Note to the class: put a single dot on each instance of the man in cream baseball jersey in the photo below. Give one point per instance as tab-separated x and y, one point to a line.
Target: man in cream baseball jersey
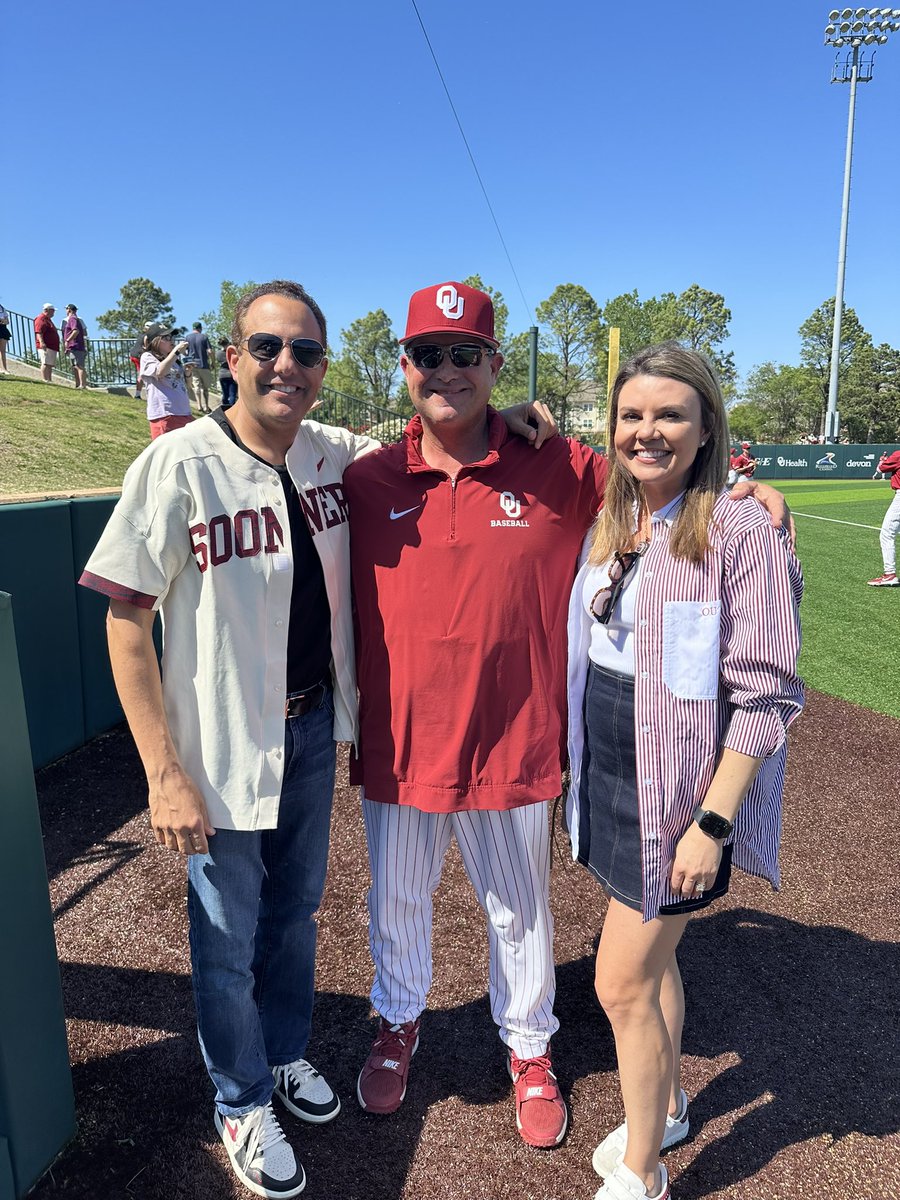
235	529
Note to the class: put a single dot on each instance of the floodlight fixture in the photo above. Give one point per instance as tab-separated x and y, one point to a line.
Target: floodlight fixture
856	28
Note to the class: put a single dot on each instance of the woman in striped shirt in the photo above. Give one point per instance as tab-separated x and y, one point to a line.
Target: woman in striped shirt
683	644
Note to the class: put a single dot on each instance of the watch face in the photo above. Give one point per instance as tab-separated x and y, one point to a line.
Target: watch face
714	825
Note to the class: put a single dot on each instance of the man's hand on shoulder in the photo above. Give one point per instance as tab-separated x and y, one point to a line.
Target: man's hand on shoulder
772	501
534	422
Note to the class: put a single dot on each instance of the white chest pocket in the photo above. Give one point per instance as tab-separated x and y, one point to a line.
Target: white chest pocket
691	648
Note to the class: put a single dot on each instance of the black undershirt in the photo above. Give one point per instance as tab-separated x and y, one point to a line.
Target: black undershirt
309	627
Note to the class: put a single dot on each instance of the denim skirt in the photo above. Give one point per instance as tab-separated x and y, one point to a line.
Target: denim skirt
609	834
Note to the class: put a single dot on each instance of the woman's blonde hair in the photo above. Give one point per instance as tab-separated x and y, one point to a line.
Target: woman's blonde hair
614	529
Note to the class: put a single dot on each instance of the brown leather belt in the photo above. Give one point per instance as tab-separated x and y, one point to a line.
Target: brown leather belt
304	702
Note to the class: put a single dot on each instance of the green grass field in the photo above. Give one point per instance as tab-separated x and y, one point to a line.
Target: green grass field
850	631
56	439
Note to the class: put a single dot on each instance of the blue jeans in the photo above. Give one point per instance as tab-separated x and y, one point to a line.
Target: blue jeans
229	391
252	903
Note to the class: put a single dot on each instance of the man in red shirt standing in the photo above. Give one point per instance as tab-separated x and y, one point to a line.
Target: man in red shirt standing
889	464
47	336
463	551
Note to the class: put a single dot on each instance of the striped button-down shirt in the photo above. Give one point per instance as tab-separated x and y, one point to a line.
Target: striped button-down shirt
716	647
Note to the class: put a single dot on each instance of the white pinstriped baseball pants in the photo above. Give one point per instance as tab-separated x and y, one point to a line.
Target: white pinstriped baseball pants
507	858
890	528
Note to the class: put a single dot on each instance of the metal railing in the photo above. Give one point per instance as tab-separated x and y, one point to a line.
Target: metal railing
109	363
108	359
359	416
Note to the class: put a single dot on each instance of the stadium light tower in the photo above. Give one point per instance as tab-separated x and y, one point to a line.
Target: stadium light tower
854	28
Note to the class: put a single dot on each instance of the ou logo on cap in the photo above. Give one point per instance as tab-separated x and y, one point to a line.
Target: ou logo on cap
449	301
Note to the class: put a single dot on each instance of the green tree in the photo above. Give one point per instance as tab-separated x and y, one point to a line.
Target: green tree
501	311
816	334
787	400
140	301
869	400
571	320
638	323
748	420
370	355
217	322
700	321
512	383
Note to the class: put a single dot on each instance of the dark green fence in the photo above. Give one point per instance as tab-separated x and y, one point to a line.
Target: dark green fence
66	677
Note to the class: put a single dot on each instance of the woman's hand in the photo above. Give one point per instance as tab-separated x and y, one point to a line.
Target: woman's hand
697	858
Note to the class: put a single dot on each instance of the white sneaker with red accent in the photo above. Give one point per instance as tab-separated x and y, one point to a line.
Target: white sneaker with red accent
261	1156
623	1184
888	579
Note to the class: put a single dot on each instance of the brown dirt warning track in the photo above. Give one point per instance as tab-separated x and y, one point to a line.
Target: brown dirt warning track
792	1040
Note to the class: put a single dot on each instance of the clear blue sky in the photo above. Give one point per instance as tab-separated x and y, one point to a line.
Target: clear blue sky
647	145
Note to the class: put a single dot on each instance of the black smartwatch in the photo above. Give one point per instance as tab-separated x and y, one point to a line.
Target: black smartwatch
712	824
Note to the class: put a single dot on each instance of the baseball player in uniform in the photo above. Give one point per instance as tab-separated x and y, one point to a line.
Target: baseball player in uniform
235	530
463	551
889	464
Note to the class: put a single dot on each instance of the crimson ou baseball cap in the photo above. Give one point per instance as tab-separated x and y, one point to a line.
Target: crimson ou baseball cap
450	308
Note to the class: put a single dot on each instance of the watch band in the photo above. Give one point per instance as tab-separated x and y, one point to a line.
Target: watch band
712	824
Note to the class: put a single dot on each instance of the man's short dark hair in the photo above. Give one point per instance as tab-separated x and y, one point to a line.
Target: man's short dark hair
277	287
197	325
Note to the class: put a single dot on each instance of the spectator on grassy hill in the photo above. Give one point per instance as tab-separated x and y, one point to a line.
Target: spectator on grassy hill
199	358
168	404
47	338
5	338
889	465
74	333
227	384
683	642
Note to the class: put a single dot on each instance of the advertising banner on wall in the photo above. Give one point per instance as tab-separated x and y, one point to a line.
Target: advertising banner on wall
818	462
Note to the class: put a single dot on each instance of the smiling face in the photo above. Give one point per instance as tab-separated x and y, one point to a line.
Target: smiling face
451	398
275	396
659	430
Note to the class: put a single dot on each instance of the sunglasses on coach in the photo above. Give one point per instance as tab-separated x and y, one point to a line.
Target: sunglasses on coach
607	598
264	347
463	354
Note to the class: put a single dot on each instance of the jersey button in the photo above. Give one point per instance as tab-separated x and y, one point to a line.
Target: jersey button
644	622
645	674
278	624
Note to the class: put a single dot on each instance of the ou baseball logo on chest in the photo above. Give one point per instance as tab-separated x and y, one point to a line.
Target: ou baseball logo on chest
510	505
449	301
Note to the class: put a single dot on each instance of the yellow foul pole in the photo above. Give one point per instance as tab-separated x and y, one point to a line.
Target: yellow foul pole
612	368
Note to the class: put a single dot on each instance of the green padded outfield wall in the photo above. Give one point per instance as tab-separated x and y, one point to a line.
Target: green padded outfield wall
37	1106
66	679
817	462
101	704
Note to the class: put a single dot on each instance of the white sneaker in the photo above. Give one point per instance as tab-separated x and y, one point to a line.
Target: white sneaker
302	1089
609	1153
260	1154
623	1184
